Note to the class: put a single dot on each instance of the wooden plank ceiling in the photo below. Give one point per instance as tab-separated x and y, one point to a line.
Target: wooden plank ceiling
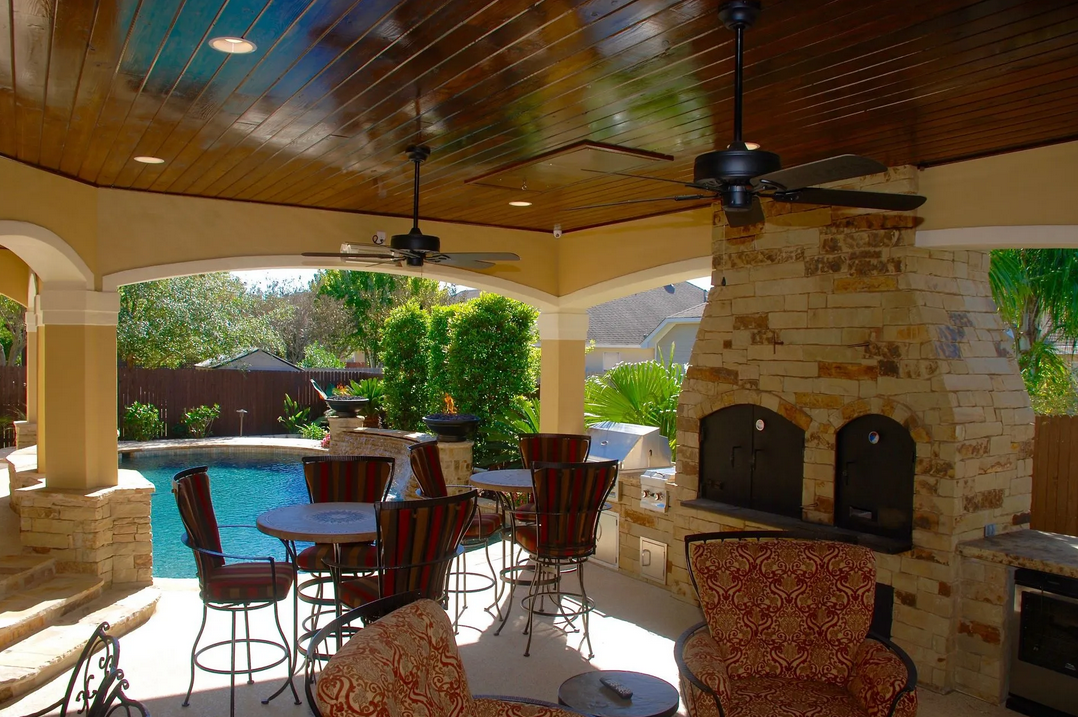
319	115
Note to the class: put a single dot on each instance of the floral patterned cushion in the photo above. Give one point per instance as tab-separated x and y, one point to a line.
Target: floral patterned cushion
511	708
780	697
786	608
405	664
878	677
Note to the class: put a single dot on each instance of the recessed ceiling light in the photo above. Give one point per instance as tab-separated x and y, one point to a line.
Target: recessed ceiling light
149	160
233	45
520	204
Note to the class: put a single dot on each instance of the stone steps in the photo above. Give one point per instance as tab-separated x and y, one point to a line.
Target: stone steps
19	572
42	603
53	650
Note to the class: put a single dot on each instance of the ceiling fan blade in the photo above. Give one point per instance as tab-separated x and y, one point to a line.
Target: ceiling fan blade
347	255
460	261
678	198
849	198
483	255
642	176
754	215
832	169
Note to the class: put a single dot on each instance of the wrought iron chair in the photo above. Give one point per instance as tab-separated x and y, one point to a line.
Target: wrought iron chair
90	693
231	587
568	499
334	479
801	658
485	528
417	542
403	661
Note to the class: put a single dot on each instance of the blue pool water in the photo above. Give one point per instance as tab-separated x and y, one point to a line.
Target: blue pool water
242	487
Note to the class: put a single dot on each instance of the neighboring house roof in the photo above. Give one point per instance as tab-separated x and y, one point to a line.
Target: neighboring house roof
464	295
221	362
691	315
629	321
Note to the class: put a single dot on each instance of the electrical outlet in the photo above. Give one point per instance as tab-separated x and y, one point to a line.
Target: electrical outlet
989	530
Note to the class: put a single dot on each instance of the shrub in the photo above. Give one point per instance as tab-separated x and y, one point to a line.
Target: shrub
142	422
198	420
645	393
313	432
404	361
490	361
438	338
503	438
295	416
374	390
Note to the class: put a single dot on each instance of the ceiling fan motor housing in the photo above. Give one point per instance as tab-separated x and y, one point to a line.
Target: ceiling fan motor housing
733	166
415	241
739	13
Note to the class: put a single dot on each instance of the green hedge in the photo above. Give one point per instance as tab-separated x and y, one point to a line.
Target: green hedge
438	338
404	361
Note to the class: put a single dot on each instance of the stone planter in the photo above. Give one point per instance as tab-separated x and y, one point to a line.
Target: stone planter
451	427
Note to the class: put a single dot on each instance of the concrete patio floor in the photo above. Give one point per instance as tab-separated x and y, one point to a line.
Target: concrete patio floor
634	628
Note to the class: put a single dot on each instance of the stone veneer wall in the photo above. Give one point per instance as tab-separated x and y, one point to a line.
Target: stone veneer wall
827	315
349	438
102	531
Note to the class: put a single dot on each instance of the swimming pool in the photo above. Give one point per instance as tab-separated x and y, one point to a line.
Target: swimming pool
242	485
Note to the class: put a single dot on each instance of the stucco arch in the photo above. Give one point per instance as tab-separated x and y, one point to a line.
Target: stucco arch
638	281
52	259
540	299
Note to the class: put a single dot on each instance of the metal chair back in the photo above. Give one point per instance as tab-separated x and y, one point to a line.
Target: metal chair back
191	488
417	541
353	479
568	500
553	448
427	468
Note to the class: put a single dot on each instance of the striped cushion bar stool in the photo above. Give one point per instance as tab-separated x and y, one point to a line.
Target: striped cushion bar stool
561	536
551	448
251	584
335	479
484	530
417	542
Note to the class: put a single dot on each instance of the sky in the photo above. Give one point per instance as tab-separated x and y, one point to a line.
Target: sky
302	277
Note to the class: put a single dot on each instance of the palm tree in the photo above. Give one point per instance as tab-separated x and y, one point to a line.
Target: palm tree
1036	291
645	393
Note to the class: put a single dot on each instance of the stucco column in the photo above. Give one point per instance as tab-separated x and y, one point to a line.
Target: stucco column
562	337
77	388
31	367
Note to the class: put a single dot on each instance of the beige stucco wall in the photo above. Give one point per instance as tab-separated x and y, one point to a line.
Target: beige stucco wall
593	362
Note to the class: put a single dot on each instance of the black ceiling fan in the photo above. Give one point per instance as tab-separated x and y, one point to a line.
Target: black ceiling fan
415	248
740	174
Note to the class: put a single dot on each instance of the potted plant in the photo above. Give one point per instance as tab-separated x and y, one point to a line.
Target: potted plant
373	389
451	427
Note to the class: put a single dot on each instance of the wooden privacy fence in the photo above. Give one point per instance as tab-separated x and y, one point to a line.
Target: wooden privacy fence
260	393
1055	475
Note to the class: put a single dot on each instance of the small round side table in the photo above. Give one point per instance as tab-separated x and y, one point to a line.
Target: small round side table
651	697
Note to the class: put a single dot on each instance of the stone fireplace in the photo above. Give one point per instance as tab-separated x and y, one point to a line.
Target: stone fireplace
890	364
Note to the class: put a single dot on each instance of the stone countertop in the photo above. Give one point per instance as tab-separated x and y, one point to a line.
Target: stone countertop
1033	549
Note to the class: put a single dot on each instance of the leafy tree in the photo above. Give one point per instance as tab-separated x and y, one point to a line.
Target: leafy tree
490	361
1036	291
178	322
404	355
302	316
438	338
318	356
369	297
645	393
12	332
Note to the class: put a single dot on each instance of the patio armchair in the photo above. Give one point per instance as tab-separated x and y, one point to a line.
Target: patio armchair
786	631
231	584
405	663
485	528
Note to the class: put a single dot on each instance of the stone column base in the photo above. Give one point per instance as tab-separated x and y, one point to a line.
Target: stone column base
25	434
100	531
456	460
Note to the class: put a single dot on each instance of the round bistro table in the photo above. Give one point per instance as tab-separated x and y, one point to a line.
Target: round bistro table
512	480
651	697
334	523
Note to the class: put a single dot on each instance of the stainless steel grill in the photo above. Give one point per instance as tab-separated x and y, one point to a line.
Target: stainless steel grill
636	448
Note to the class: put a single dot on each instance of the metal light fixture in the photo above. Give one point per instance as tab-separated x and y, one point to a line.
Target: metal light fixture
233	45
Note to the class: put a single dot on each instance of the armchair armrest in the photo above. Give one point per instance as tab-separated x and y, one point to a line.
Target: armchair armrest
703	673
499	706
884	679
